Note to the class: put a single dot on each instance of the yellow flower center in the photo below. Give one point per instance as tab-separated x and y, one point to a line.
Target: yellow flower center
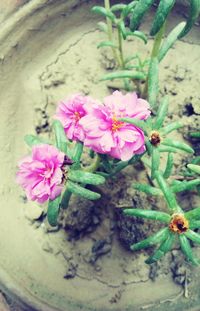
77	116
179	224
116	124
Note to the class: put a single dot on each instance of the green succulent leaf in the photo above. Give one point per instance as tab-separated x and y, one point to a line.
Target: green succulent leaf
124	74
77	151
153	82
148	189
61	140
138	34
80	191
156	238
65	199
185	185
169	195
32	140
141	8
137	212
107	44
129	7
193	15
103	27
186	249
176	144
162	12
194	168
169	166
193	214
103	12
195	134
85	177
170	40
193	236
118	7
155	161
139	123
165	247
162	148
194	224
162	112
171	127
53	211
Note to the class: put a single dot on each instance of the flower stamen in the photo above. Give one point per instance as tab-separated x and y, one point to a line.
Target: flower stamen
77	116
116	124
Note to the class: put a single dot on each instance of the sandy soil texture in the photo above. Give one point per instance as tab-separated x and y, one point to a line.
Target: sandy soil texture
48	56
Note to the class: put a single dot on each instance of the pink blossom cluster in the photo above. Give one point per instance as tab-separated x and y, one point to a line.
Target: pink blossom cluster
98	126
40	174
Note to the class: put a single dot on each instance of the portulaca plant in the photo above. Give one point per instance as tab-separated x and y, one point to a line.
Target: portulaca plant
119	130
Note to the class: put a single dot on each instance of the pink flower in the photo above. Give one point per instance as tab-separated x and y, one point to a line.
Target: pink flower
40	174
70	112
106	134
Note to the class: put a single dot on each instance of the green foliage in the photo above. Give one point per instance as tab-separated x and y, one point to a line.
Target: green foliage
164	8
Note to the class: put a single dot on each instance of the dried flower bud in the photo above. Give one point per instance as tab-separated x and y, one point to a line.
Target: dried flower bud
155	138
179	224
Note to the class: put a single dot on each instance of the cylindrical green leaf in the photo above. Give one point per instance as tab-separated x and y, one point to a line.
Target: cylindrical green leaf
176	144
156	238
194	236
77	151
124	74
65	199
118	7
194	168
140	9
185	185
169	166
53	211
194	224
165	247
106	44
102	11
128	8
186	249
171	127
153	82
170	40
162	12
169	195
163	148
193	214
138	34
32	140
162	112
139	123
195	134
155	161
193	16
61	140
156	215
85	177
78	190
148	189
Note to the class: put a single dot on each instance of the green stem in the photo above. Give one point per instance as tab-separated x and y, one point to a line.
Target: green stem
154	53
110	31
94	166
121	58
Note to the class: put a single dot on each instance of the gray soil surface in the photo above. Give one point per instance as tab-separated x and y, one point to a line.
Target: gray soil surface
86	265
